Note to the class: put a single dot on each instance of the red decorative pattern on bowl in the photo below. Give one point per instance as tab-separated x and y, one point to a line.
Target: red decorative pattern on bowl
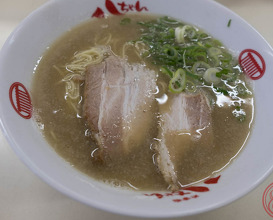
186	193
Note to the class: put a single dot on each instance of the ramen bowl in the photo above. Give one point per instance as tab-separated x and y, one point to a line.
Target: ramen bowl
28	42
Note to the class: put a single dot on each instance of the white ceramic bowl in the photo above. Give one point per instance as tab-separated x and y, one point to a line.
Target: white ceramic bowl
30	39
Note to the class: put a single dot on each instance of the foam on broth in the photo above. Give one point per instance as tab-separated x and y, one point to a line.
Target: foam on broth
69	135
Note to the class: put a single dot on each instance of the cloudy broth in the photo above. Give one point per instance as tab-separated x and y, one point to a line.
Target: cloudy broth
70	136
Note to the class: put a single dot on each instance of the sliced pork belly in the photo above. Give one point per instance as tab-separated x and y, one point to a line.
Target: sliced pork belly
185	120
117	102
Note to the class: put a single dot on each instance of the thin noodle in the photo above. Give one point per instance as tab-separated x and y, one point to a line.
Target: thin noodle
72	89
103	41
53	135
138	54
125	48
115	46
58	70
75	70
84	58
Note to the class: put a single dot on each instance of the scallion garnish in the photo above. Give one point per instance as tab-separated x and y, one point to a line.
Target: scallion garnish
182	51
125	21
229	23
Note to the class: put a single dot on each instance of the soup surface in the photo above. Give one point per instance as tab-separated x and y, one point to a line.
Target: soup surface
58	93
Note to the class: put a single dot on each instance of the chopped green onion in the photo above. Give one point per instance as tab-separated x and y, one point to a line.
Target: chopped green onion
222	72
229	23
178	83
197	57
223	91
242	90
182	32
215	61
217	43
166	71
225	57
202	56
172	32
203	35
210	76
200	67
230	77
190	87
214	54
179	34
125	21
193	76
214	51
170	51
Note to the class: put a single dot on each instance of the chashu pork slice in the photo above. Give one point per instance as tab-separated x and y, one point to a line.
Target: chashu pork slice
117	102
184	119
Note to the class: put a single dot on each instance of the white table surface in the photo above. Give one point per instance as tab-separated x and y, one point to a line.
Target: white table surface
25	196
